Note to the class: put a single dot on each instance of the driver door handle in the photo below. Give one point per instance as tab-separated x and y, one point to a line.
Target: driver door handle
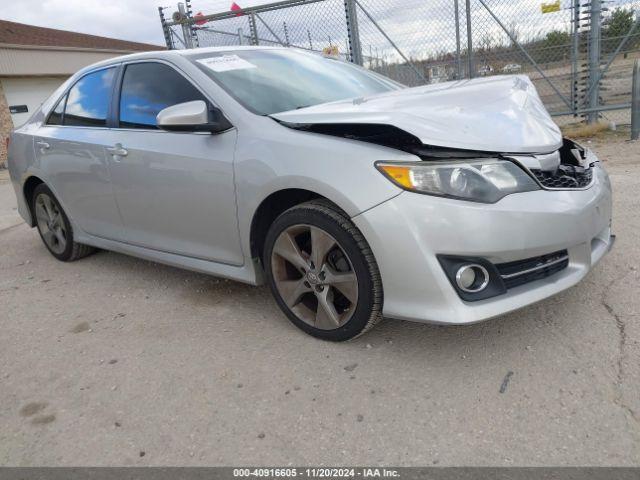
43	145
117	150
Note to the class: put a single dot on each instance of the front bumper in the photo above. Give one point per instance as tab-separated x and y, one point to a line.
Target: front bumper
407	232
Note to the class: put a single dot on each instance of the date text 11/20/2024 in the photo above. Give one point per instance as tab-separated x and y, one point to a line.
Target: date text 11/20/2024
292	472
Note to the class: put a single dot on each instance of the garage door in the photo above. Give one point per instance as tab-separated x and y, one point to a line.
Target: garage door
29	92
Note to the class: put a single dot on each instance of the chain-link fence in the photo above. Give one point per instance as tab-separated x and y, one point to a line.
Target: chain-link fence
578	53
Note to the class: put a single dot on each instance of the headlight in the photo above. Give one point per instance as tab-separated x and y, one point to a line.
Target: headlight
485	180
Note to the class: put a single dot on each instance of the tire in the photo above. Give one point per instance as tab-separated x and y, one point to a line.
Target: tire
346	282
54	227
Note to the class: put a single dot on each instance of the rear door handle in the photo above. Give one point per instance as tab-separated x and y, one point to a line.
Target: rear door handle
43	145
117	150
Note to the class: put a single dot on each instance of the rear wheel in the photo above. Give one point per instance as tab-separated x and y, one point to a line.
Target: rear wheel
322	272
54	226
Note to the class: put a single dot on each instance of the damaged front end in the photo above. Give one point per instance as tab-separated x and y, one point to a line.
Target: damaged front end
386	136
569	167
478	139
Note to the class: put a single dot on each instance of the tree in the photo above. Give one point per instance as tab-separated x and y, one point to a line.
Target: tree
557	38
555	46
619	23
616	27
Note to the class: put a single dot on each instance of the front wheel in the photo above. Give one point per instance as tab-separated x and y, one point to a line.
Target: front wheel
322	272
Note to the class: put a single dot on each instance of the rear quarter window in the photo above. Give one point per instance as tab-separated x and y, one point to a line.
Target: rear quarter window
55	117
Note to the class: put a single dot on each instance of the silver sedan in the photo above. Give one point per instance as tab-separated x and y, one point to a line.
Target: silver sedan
351	195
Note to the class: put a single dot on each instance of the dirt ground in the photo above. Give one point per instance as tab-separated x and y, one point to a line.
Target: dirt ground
117	361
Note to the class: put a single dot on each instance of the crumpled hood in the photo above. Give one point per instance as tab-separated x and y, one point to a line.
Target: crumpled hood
496	114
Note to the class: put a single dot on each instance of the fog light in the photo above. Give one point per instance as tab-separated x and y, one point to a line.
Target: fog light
472	278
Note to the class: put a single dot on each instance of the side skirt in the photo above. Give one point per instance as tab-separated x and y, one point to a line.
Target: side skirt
247	273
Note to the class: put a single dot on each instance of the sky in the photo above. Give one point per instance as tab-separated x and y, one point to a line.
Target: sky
135	20
419	27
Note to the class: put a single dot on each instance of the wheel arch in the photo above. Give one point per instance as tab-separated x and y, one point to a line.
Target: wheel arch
271	207
28	188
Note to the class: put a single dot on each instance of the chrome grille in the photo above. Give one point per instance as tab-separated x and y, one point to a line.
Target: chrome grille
518	273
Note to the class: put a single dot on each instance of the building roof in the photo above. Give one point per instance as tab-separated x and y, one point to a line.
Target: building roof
21	34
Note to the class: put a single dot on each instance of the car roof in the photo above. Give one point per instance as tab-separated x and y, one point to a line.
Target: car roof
197	51
168	54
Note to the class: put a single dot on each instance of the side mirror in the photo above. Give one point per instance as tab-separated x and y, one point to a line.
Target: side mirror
192	117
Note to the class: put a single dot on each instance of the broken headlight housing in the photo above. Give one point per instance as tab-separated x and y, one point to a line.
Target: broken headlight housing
484	180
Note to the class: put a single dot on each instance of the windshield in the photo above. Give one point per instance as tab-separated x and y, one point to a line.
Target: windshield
273	81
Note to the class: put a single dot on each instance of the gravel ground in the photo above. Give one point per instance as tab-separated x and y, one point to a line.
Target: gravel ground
117	361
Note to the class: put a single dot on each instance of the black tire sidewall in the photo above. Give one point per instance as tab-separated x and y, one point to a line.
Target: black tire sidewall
66	254
362	268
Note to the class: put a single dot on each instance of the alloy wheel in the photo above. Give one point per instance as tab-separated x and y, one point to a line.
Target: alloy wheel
314	276
50	223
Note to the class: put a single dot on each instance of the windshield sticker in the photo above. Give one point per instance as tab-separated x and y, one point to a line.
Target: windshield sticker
226	63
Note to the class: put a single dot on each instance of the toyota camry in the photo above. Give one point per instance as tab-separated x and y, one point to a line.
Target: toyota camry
352	196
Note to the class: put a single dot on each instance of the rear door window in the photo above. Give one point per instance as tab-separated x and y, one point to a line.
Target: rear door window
88	100
150	87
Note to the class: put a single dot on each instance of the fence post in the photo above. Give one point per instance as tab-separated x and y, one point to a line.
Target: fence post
470	73
594	59
165	29
575	51
240	35
192	30
457	20
635	102
253	29
351	13
186	28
